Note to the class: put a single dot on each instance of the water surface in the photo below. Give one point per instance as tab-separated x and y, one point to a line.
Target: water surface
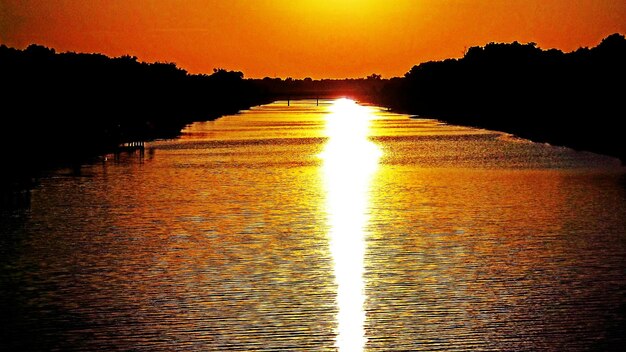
326	227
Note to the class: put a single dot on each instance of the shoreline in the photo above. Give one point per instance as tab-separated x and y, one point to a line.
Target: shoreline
524	132
64	108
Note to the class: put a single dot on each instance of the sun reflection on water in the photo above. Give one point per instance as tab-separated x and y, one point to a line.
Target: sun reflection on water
350	160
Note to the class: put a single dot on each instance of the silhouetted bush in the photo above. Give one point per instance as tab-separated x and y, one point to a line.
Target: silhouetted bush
357	88
574	99
68	106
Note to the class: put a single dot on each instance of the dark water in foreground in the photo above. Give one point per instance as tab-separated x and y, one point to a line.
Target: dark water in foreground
321	228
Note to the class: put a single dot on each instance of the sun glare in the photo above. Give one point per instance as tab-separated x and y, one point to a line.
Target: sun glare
347	127
350	160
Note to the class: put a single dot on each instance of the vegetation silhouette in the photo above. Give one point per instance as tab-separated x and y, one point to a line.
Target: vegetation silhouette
573	99
65	107
61	108
366	89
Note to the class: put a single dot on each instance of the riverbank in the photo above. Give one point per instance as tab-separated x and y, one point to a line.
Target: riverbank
65	108
569	99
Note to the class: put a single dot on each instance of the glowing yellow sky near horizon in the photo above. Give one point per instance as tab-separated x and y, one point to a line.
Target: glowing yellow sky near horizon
300	38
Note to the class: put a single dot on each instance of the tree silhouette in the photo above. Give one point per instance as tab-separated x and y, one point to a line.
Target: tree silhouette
70	106
573	99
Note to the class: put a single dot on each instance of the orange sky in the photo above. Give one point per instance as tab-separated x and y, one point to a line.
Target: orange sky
300	38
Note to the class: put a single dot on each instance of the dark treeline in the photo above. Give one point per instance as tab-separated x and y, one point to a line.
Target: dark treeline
366	89
60	108
64	107
574	99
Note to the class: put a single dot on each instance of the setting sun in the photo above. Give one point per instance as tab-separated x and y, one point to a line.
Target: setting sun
347	127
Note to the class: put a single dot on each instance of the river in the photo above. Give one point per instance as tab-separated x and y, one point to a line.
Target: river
331	227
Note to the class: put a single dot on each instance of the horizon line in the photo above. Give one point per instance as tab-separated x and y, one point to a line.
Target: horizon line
365	76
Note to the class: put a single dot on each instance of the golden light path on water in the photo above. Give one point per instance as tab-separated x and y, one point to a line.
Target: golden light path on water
349	162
